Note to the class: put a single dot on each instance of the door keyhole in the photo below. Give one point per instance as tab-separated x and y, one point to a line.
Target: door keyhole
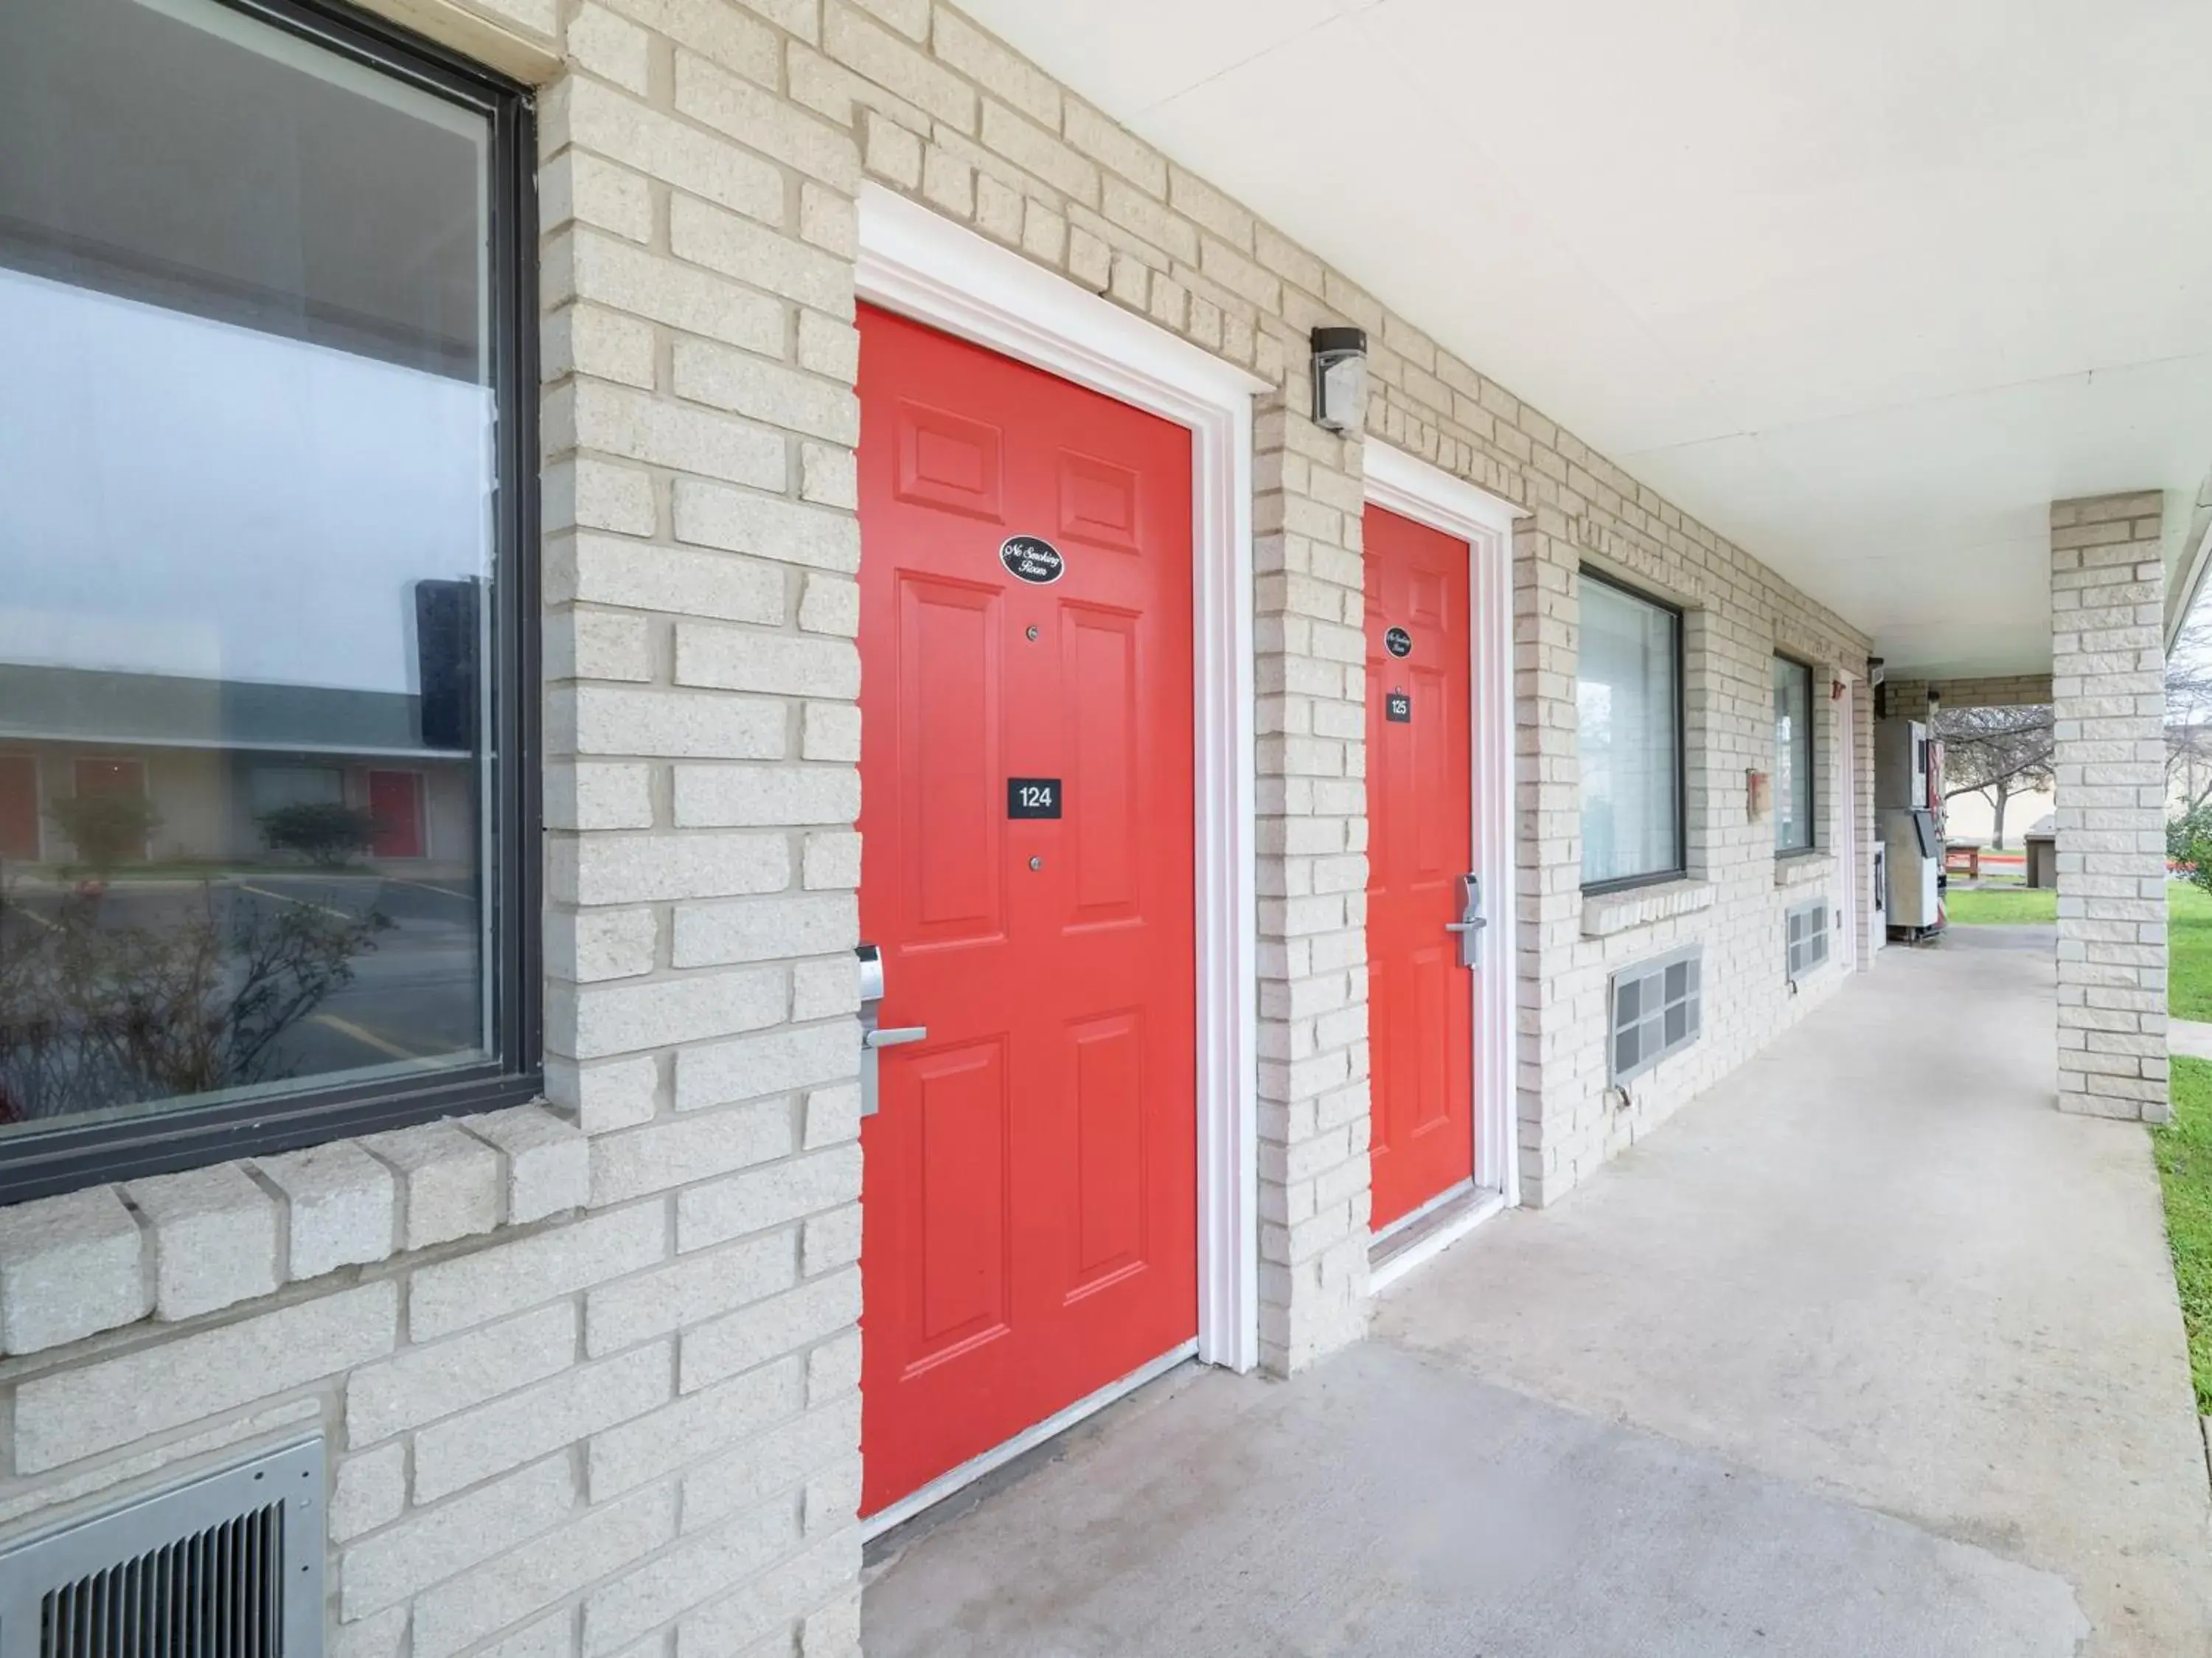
1032	633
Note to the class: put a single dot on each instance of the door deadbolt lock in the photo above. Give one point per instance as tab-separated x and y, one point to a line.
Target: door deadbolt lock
1471	922
873	1036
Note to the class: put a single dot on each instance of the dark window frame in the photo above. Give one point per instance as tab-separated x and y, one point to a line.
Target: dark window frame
1811	843
46	1161
1680	870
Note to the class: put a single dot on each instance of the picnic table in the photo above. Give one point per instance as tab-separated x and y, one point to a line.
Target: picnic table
1963	857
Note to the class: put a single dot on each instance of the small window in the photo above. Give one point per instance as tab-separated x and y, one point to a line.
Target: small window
1628	696
1658	1007
267	657
1793	756
1805	936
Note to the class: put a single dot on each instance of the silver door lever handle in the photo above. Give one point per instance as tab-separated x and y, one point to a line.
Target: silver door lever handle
1471	921
894	1037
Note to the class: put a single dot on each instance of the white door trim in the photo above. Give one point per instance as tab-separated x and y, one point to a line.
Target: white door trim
1399	483
1857	878
924	266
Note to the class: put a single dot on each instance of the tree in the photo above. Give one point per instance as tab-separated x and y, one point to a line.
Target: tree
2189	715
1997	752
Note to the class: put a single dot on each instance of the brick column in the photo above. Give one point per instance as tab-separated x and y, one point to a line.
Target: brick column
1311	679
2108	683
1553	1025
701	788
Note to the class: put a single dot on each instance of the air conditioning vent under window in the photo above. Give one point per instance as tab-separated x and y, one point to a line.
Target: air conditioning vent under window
227	1564
1806	937
1658	1006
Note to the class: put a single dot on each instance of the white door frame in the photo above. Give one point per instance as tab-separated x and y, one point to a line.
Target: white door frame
925	266
1414	489
1857	881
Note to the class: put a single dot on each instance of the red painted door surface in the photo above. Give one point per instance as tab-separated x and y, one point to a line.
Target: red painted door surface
126	777
19	808
1420	816
1030	1208
395	801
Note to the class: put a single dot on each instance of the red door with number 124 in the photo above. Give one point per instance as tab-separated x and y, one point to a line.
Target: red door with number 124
1029	1202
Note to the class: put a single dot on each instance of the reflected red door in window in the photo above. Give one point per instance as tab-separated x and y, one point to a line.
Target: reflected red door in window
1030	1218
126	777
19	808
395	801
1420	817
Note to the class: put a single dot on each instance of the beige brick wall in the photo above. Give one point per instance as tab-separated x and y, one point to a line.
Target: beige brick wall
1311	678
1912	699
2108	751
1736	892
589	1376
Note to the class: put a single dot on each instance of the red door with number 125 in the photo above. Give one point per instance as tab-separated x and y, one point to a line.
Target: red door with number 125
1420	815
1030	1204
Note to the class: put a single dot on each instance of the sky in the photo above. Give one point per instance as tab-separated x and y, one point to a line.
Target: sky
188	496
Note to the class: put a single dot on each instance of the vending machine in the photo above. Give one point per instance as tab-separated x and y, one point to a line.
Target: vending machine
1909	826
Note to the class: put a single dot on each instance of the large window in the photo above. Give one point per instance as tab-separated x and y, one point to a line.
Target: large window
266	685
1793	756
1628	695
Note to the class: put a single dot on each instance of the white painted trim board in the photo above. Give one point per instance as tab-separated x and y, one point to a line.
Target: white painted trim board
1400	483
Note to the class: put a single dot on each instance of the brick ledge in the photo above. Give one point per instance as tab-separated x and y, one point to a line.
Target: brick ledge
177	1246
1607	913
1802	869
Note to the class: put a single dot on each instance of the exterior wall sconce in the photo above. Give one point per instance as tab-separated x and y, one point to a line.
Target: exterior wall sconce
1339	378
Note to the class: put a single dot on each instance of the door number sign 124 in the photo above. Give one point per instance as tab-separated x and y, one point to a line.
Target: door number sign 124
1033	797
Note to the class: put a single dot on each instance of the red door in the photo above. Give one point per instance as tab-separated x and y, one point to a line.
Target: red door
1029	1213
395	801
125	777
1420	816
19	808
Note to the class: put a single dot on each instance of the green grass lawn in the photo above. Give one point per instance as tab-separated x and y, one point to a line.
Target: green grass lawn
2189	949
2184	1148
1987	907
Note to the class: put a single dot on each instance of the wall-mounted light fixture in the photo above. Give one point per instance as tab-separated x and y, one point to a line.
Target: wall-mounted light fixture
1340	377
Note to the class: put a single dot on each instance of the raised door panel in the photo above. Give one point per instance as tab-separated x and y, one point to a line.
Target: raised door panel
948	461
1106	1084
949	724
1105	778
956	1200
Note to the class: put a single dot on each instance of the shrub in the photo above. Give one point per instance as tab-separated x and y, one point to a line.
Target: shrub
2189	846
106	829
323	831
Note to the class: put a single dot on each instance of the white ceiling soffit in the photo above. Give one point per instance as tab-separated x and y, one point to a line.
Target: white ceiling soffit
1863	287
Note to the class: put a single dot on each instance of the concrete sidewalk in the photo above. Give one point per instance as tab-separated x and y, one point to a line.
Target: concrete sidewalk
1867	1352
2189	1039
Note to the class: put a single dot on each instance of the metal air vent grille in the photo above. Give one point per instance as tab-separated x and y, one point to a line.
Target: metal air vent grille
1656	1007
227	1564
1805	938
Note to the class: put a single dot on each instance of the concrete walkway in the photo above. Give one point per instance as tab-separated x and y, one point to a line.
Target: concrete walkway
1867	1352
2190	1038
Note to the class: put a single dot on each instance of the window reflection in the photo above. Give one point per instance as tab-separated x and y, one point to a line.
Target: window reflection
245	548
1793	756
1629	744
